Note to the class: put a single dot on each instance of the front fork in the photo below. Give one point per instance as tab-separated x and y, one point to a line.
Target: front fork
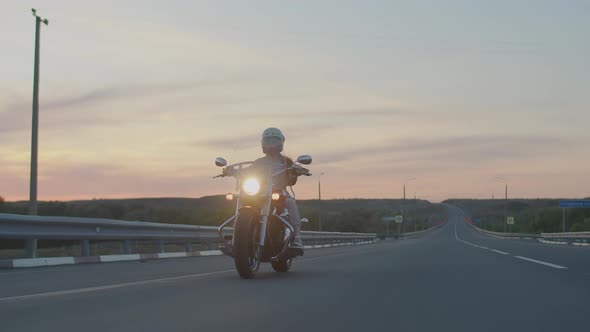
265	212
264	223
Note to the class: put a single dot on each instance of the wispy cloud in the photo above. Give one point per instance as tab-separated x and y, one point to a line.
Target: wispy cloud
333	114
468	149
79	109
253	139
86	180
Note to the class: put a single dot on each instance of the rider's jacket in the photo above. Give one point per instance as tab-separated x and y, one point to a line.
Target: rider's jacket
278	166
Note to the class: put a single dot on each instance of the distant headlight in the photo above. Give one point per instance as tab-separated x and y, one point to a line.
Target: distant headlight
251	186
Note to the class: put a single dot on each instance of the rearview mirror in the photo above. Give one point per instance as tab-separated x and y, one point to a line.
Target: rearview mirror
220	162
305	159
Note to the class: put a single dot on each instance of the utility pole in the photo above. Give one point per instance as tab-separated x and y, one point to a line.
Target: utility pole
320	186
320	201
400	228
505	207
35	128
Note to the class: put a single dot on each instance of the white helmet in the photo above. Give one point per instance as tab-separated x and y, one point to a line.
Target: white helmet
272	140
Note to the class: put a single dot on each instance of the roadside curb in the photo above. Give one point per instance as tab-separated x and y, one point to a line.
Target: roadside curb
565	243
552	242
55	261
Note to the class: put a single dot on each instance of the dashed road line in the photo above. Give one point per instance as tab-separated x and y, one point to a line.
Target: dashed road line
499	252
157	280
107	287
555	266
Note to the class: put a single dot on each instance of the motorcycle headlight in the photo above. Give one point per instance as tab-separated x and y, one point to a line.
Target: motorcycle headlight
251	186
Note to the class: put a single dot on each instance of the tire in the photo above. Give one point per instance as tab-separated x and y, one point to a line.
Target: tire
282	266
245	244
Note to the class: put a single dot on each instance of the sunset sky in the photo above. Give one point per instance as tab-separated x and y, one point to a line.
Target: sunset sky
137	98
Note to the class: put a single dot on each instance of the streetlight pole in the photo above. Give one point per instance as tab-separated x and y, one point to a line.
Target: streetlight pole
320	201
414	220
503	179
505	207
400	228
35	128
404	206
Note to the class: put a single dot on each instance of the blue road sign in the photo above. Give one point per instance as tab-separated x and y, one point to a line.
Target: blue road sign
575	203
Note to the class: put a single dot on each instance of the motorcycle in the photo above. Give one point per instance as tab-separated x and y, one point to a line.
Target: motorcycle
261	231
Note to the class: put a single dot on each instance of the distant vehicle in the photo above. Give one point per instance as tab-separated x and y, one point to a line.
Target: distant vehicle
261	231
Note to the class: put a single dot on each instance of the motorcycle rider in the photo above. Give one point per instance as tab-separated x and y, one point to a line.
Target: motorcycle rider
272	146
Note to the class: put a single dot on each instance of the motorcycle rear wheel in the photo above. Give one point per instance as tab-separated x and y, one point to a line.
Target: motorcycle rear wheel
245	247
282	265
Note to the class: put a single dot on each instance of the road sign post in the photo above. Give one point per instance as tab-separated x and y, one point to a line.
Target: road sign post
398	220
571	203
387	220
563	220
510	222
575	203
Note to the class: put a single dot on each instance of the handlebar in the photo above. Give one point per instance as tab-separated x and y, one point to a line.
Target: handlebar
300	170
296	168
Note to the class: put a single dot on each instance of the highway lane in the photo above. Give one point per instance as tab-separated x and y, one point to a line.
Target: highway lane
571	257
430	283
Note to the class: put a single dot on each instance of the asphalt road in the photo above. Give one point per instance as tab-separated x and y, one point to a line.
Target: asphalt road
451	279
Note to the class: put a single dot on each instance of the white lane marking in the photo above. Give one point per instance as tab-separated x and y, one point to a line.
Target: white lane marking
114	286
541	262
505	253
477	246
150	281
499	252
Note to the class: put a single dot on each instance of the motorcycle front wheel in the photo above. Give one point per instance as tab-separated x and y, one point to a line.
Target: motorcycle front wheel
245	244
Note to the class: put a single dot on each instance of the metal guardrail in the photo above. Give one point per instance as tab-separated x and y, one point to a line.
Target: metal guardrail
408	234
568	237
573	238
33	228
510	235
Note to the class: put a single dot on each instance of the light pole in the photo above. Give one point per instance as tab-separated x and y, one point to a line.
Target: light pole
503	179
320	201
35	129
505	207
400	230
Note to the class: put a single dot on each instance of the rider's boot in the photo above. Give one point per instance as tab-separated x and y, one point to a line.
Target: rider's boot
297	242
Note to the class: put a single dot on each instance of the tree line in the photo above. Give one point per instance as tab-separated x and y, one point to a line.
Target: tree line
343	215
531	215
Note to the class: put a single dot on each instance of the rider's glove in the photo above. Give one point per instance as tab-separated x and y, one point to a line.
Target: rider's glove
229	172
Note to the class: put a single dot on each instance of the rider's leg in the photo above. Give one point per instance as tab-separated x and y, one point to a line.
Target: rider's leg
295	221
